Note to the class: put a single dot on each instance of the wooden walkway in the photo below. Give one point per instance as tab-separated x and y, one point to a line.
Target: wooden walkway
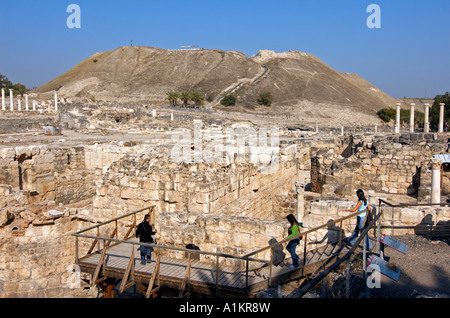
203	276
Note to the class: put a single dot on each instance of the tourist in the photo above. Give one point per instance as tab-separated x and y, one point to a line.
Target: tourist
362	206
144	232
294	230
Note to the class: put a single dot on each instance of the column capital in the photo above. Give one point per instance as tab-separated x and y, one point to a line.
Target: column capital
300	186
436	163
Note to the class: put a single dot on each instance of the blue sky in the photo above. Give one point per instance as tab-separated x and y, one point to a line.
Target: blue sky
407	56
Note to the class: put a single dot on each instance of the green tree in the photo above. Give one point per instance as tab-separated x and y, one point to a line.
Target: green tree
5	83
228	100
197	98
173	98
265	98
435	109
386	114
19	89
185	97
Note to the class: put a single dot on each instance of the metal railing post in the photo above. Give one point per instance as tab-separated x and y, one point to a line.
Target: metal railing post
246	278
270	268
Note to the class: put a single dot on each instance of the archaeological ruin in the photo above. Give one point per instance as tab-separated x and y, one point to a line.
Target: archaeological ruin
107	163
221	180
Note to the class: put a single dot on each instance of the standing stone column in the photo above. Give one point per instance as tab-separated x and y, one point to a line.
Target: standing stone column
427	118
26	102
19	104
3	100
56	102
436	180
411	118
397	119
300	188
441	117
11	101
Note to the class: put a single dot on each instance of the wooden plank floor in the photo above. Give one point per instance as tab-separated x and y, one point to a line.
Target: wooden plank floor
231	278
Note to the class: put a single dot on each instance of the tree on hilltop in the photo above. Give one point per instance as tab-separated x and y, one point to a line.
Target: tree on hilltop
185	97
173	98
197	98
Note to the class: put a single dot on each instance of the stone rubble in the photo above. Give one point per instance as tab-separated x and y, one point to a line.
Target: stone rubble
112	160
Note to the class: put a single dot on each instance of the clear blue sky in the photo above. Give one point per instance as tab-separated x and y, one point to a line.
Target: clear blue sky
407	56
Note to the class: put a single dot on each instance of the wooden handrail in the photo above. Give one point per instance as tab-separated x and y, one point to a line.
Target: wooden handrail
317	279
115	219
305	233
248	257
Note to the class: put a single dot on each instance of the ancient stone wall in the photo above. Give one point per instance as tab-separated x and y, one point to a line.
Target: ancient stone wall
235	189
36	258
420	220
219	234
47	173
379	163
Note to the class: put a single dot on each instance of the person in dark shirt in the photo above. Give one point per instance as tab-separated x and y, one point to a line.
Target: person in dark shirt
144	232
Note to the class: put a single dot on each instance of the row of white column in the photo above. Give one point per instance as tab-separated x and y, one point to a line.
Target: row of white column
427	115
19	102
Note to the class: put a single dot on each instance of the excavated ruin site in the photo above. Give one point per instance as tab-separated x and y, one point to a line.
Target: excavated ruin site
221	179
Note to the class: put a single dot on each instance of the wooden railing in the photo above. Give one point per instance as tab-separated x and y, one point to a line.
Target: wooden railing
107	240
305	240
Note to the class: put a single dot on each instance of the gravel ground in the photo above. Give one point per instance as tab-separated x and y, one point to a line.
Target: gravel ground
425	273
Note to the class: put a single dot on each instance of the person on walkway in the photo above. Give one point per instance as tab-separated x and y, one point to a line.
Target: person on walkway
362	206
293	231
144	232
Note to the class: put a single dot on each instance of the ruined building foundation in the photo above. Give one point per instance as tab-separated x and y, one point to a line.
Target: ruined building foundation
53	187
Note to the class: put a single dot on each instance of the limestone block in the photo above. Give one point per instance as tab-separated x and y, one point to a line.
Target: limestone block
127	193
411	216
102	190
172	196
275	230
148	185
202	197
242	240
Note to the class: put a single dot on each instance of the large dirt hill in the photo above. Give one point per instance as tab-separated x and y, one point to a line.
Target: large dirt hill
146	74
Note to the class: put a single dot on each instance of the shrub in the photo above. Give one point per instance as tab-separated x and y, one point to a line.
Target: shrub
265	99
228	100
386	114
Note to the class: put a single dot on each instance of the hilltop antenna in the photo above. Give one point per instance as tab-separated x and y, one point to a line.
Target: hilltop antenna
131	42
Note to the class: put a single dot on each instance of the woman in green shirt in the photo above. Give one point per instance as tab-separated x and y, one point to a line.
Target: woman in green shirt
294	230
